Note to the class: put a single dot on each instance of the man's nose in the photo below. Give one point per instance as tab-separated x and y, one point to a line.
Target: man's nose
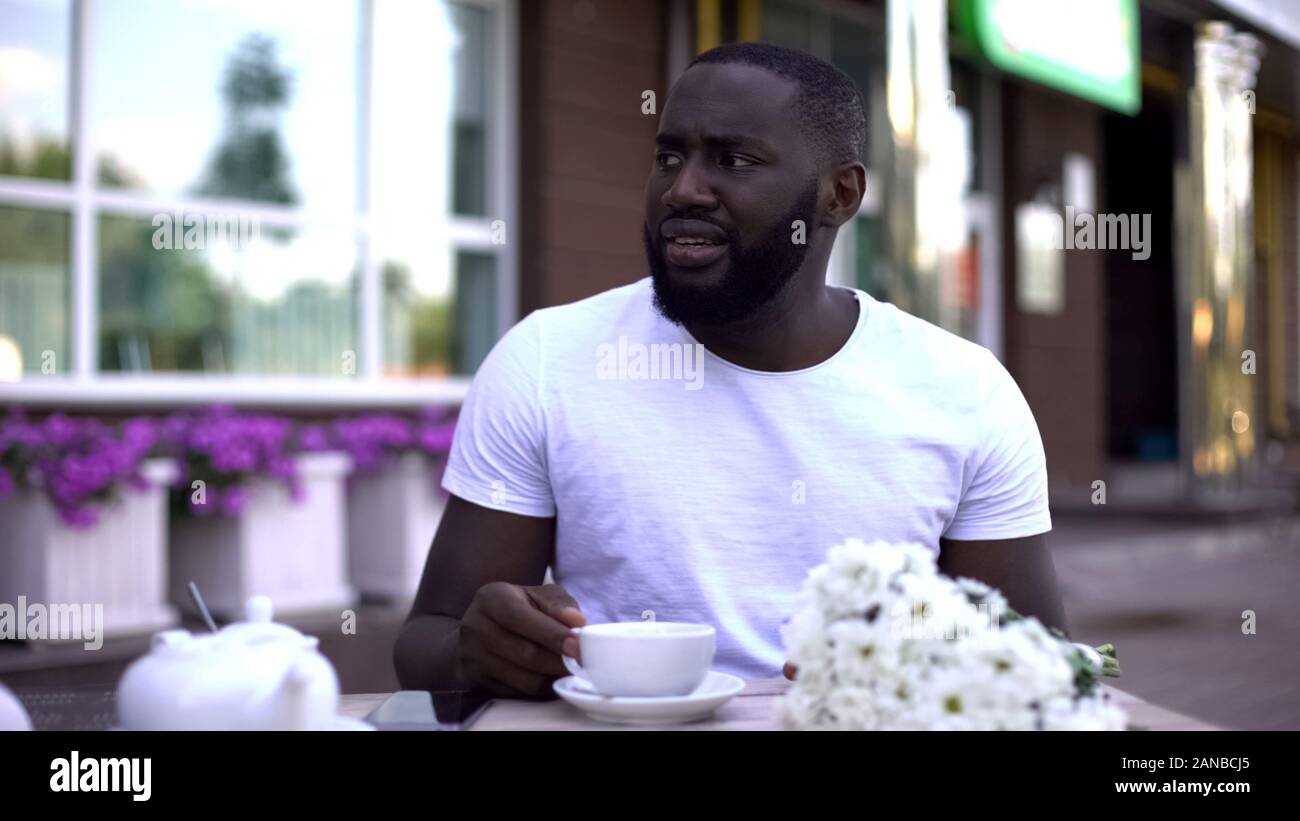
690	189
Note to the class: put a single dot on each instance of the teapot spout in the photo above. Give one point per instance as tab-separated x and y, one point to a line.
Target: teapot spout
295	697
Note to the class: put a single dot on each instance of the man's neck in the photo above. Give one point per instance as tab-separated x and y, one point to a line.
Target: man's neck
802	327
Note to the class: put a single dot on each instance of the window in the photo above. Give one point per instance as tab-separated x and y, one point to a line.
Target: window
208	197
852	37
34	304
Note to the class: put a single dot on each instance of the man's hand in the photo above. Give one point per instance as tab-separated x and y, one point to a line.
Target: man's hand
511	638
789	671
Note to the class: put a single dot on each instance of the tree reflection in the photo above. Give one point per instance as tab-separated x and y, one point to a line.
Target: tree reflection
47	159
251	162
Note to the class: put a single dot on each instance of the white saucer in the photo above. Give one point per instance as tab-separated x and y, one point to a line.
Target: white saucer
347	723
716	689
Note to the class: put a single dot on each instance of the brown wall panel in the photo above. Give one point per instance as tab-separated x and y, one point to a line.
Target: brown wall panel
586	146
1057	360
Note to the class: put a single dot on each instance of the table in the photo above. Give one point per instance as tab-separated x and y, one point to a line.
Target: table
753	709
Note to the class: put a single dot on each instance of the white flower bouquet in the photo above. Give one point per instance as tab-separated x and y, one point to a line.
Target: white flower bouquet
883	642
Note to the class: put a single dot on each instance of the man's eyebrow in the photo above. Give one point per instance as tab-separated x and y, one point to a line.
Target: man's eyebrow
740	141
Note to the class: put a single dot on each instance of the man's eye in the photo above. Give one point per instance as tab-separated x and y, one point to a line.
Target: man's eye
736	161
667	160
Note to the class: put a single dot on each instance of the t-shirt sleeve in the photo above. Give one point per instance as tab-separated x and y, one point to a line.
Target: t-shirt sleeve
1006	496
498	452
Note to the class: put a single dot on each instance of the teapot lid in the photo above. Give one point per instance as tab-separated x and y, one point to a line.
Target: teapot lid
258	627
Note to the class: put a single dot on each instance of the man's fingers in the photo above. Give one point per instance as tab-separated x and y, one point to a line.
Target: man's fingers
573	649
555	601
511	680
519	614
525	653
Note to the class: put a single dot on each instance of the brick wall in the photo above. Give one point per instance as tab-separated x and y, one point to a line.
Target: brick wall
586	148
1058	360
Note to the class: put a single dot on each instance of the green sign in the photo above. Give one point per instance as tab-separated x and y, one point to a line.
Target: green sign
1088	48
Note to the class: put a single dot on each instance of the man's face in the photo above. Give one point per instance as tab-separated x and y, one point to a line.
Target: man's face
732	172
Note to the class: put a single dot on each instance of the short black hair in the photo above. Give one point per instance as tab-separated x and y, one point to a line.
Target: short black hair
831	112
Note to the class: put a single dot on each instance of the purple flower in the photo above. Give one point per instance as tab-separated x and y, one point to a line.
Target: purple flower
233	501
436	440
60	429
79	463
223	447
174	429
282	467
371	439
314	438
207	505
81	517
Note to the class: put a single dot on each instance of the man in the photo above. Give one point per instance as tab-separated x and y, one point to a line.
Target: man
692	444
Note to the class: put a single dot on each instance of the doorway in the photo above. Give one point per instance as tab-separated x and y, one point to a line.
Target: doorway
1141	319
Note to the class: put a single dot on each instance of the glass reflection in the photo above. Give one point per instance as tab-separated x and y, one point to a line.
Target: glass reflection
242	99
34	292
34	66
259	304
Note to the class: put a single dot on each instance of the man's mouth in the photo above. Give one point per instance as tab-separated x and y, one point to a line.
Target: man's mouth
693	243
686	252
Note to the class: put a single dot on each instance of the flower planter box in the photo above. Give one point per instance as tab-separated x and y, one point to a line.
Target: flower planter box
291	550
120	563
392	516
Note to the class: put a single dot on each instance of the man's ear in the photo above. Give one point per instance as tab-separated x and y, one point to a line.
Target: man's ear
848	185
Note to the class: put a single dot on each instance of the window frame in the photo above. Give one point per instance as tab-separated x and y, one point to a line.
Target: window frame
85	202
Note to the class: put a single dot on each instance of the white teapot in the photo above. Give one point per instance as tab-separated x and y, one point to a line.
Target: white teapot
12	714
250	675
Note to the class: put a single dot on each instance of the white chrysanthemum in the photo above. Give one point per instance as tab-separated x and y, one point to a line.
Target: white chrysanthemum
862	652
883	642
857	575
931	607
991	601
1089	713
797	709
855	708
1026	654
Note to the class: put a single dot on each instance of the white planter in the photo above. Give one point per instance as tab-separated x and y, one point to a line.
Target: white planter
121	563
392	516
291	551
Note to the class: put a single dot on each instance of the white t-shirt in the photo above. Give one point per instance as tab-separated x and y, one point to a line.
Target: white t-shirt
703	491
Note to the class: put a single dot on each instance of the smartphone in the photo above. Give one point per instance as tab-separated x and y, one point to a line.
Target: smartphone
430	710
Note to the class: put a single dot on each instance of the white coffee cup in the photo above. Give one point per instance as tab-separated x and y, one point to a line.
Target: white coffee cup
643	658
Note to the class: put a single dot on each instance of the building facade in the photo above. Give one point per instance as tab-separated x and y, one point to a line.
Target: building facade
420	176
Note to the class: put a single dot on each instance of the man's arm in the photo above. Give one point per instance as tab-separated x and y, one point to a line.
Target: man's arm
481	616
1021	568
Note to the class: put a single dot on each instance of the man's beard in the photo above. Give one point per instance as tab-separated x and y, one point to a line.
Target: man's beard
752	279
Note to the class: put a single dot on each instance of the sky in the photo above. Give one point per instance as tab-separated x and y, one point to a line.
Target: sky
156	107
